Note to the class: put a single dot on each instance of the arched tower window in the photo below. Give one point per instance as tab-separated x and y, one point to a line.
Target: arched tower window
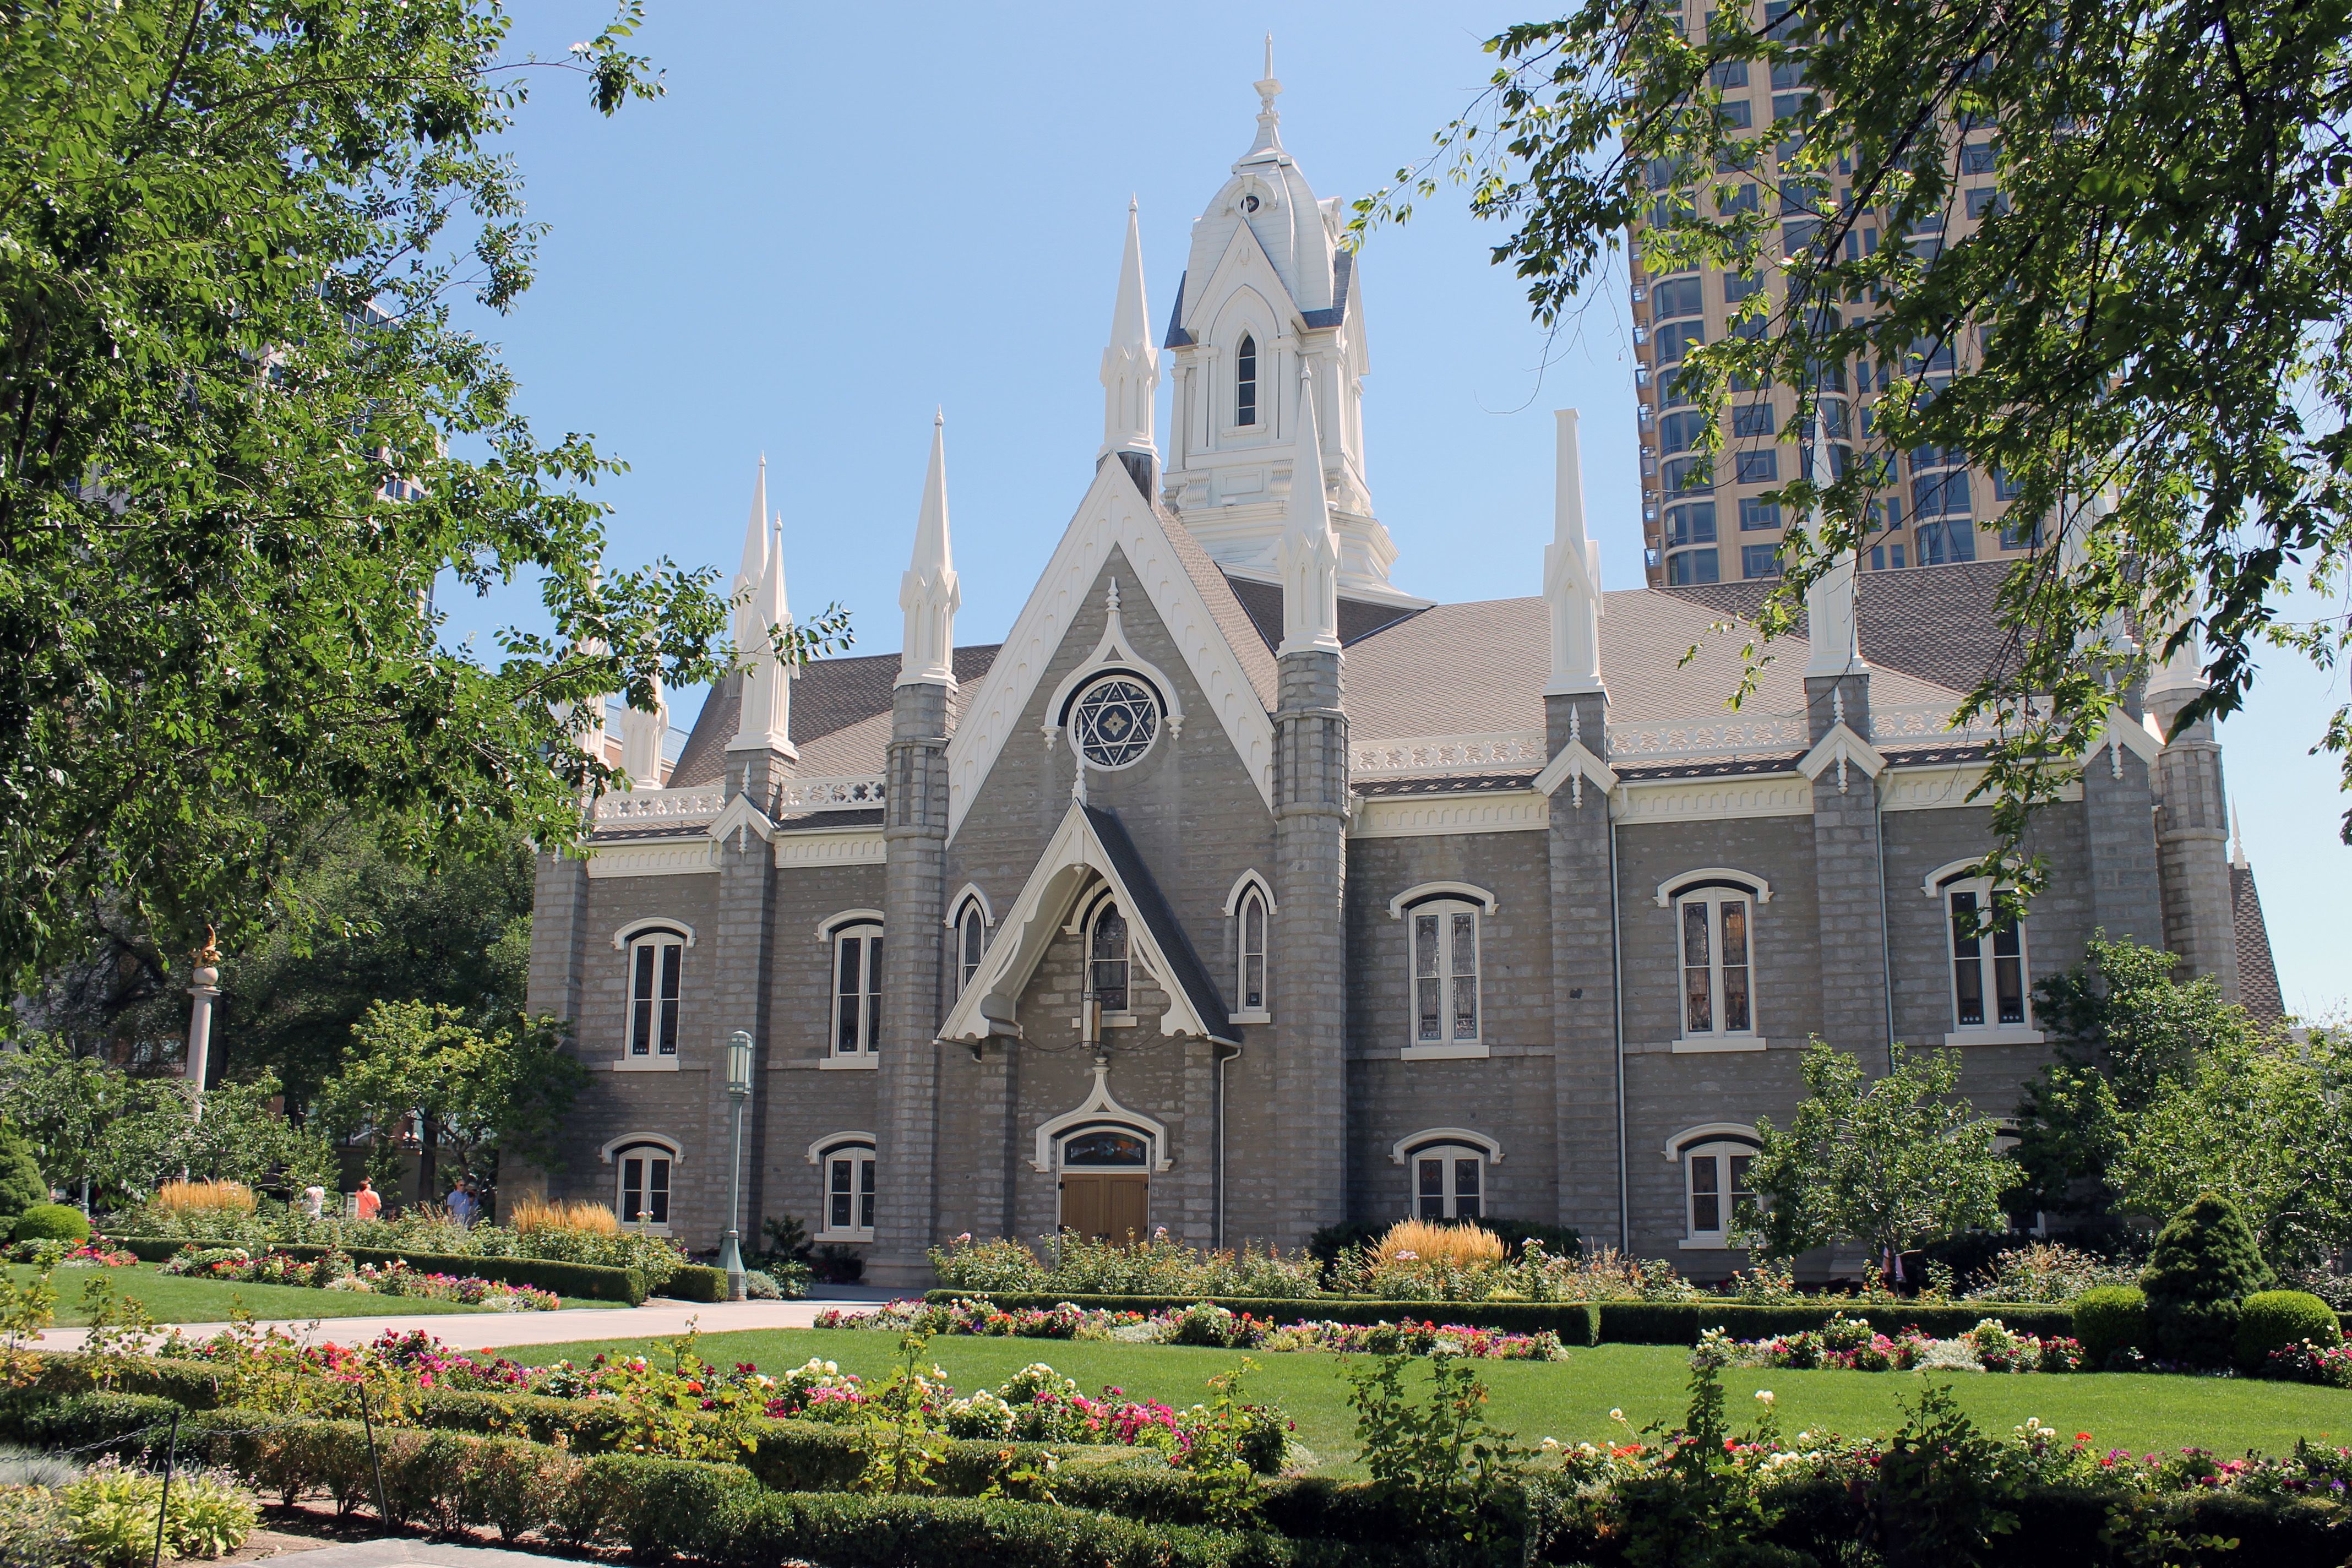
1107	958
1245	382
970	938
1252	936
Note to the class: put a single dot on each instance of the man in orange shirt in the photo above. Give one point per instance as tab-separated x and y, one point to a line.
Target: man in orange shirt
367	1203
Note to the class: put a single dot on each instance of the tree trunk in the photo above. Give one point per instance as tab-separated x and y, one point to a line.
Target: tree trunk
427	1161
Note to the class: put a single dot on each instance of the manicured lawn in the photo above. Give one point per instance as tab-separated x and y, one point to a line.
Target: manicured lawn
170	1300
1571	1400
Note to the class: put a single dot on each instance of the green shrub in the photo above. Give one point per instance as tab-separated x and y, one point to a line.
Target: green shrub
584	1281
52	1222
2276	1319
21	1185
2109	1319
2205	1262
1575	1322
693	1282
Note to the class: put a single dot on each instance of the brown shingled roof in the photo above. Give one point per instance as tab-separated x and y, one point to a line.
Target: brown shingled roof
841	716
2258	981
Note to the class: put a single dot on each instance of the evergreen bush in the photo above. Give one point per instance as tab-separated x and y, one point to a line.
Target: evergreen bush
2110	1318
2280	1320
52	1222
2205	1263
21	1185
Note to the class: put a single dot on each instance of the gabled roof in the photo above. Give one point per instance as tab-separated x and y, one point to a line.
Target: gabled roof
2258	981
836	703
1090	846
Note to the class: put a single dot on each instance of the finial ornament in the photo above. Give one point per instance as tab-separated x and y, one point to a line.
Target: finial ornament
1269	138
1572	578
929	592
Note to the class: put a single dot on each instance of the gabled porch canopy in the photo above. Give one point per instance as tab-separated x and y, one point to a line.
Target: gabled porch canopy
1090	846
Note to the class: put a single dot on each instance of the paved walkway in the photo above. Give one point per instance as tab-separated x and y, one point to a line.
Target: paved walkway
657	1319
398	1553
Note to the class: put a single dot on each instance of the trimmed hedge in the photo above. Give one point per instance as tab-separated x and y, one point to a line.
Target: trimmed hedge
1588	1322
2280	1320
52	1222
583	1281
693	1282
2109	1319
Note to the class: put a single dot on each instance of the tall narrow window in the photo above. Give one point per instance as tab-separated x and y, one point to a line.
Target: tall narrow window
1245	382
856	989
1445	973
848	1196
972	936
1107	958
1988	964
645	1185
1718	1181
656	963
1716	957
1253	953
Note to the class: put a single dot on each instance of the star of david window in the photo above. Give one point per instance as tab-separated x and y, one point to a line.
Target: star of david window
1115	722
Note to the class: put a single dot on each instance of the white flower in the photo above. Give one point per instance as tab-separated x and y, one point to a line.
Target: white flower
1616	1415
832	1369
1550	1445
1763	1397
1408	1256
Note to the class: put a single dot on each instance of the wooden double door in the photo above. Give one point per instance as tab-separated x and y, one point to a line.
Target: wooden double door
1107	1206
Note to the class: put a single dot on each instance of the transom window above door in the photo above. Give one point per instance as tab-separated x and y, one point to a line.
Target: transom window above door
1106	1147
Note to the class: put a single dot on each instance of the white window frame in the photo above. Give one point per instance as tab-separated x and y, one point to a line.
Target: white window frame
1722	1151
1946	891
1448	1158
850	1157
1447	973
1104	903
1252	902
646	1155
863	1052
664	945
1248	346
1712	895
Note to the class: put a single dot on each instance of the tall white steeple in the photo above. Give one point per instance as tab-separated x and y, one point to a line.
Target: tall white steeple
929	592
1572	578
766	718
755	563
1309	552
1830	620
1131	365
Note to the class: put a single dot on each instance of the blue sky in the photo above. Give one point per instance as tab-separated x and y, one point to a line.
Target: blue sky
840	218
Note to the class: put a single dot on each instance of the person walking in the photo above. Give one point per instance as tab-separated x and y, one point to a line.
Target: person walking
314	1201
463	1206
367	1203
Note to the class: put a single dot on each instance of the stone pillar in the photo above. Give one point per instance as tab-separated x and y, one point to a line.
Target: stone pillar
2192	848
1847	873
914	893
2119	820
1309	963
1587	1117
559	917
738	966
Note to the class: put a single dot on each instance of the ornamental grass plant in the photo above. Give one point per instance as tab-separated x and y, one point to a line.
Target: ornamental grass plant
203	1198
529	1216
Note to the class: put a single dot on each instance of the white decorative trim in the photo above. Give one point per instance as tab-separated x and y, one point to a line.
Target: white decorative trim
840	918
839	1062
1709	736
1252	1015
1704	1044
651	923
970	893
849	792
1101	1107
1946	786
832	847
1467	1051
1922	722
630	1139
668	807
1840	747
1422	891
1434	815
2010	1036
1578	763
1703	800
1112	514
1681	879
1428	1135
1114	653
1250	879
826	1145
653	858
1707	1132
645	1064
740	817
1447	753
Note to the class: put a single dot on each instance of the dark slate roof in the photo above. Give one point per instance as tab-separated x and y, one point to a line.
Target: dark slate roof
1151	907
1178	338
1937	623
836	703
1343	272
2258	981
1359	619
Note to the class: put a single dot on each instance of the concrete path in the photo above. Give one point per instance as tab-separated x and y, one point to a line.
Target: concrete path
657	1319
397	1553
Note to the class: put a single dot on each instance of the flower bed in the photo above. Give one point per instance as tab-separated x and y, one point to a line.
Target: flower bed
335	1271
96	1253
1201	1323
1851	1344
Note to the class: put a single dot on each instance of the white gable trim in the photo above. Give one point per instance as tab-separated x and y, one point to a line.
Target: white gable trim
1113	513
1101	1107
970	893
1250	879
1840	746
1074	863
1115	651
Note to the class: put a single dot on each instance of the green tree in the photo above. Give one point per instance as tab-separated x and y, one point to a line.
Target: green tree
21	1185
1890	1163
2149	331
2205	1262
471	1092
243	432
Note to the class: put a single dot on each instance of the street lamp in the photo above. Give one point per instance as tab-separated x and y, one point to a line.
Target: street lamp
739	1089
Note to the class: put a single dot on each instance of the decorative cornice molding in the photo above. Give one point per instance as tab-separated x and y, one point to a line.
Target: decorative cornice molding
1423	816
1842	748
1944	787
1447	753
653	857
831	847
1699	800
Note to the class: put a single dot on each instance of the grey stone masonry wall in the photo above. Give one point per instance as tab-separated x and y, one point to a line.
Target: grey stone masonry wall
1588	1077
1309	981
907	1141
2118	808
559	904
739	978
1850	901
2192	850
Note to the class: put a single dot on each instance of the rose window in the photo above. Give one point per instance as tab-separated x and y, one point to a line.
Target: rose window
1115	720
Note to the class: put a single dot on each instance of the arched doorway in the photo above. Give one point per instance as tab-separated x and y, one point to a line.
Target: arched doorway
1105	1181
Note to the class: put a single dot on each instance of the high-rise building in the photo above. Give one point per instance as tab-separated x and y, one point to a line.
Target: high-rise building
1706	522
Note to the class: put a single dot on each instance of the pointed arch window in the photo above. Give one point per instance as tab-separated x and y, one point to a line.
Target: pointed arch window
1107	957
1245	382
970	938
1252	935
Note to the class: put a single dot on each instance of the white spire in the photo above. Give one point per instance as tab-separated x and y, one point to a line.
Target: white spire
755	563
1309	552
2237	842
1830	620
1130	365
929	593
1571	579
641	735
766	721
1269	119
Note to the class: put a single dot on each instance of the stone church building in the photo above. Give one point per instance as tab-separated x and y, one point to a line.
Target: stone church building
1240	892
